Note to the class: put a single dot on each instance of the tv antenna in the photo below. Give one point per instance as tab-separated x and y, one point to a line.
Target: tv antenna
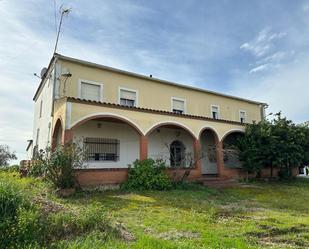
63	12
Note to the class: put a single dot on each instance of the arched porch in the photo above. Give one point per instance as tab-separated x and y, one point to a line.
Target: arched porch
230	155
173	143
109	142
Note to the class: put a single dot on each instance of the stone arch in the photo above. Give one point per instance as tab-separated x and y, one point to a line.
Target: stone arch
107	116
172	124
230	132
214	132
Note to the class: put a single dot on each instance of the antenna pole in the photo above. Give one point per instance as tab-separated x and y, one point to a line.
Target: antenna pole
63	12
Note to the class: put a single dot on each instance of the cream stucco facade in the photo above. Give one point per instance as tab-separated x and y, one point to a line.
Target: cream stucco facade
147	128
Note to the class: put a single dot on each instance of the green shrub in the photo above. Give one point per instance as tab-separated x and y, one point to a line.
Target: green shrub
20	222
147	175
58	166
11	199
30	227
37	169
13	168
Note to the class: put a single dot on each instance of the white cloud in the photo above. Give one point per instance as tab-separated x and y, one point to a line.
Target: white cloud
285	90
262	43
259	68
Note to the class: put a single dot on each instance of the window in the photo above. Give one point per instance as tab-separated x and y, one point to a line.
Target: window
41	106
48	134
37	136
127	97
91	90
178	106
215	111
242	116
177	154
101	149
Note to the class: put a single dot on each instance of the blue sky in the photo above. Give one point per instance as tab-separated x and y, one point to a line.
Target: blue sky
253	49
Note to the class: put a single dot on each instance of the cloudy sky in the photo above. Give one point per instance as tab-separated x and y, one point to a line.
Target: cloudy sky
253	49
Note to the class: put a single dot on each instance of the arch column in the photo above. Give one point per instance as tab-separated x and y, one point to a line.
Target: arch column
143	147
68	136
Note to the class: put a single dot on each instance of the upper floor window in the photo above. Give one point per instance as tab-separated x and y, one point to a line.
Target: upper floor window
37	136
90	90
178	105
215	111
242	116
127	97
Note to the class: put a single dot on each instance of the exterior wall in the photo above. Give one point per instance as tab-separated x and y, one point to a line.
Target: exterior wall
159	142
197	102
93	177
44	123
128	137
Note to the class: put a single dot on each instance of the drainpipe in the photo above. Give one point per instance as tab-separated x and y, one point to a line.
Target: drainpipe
263	107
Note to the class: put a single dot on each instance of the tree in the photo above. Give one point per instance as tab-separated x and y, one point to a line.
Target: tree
277	143
6	155
288	147
249	148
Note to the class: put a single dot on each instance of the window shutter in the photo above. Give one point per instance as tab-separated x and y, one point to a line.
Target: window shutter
178	104
124	94
90	91
215	109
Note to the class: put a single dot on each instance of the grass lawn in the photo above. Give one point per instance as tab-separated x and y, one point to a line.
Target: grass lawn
258	215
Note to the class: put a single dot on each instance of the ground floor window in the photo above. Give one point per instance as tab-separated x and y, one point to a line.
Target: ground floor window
177	154
101	149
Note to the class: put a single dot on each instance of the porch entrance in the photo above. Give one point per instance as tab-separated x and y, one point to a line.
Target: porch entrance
208	153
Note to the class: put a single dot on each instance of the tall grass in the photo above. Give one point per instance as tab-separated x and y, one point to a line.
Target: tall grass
25	224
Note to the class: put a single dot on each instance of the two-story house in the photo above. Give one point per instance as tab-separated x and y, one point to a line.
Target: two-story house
120	116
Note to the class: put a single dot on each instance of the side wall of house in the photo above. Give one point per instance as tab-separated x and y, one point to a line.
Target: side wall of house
43	111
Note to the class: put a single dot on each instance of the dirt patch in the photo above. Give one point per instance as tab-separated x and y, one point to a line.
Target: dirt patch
174	234
123	232
277	236
48	206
